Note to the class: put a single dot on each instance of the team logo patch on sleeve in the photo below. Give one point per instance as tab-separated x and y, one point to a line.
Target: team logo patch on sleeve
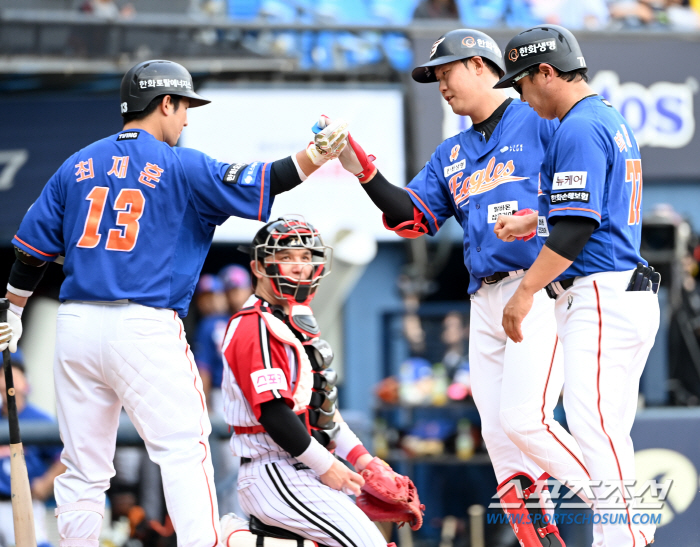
563	197
234	172
268	379
568	180
128	136
248	178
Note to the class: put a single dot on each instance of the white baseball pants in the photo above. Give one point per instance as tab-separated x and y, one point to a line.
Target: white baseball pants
517	386
109	355
296	500
607	333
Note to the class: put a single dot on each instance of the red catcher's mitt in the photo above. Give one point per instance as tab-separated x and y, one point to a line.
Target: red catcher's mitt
389	497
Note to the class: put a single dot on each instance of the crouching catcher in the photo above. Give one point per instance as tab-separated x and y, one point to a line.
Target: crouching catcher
280	399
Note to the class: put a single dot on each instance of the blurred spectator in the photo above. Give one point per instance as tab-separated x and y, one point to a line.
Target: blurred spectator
107	9
43	463
681	15
237	286
213	310
436	9
455	336
209	296
634	13
684	334
573	14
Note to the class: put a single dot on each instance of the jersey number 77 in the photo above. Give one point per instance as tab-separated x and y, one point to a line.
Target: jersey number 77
634	175
130	203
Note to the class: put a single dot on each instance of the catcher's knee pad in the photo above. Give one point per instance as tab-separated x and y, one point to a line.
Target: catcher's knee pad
524	507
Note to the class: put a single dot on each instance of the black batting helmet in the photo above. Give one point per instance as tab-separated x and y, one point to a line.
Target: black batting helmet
549	44
150	79
456	45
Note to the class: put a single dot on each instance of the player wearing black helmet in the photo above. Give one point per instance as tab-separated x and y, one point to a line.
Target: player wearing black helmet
280	400
134	217
488	170
606	308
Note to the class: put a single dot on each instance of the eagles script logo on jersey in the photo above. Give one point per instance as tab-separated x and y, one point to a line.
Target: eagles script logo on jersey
482	180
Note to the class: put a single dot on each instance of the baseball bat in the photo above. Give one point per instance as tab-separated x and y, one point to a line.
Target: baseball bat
22	512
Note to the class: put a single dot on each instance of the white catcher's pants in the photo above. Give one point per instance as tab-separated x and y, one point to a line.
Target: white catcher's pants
607	334
109	355
280	495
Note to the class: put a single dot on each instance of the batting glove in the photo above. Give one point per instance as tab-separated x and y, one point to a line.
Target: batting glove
357	161
329	142
10	332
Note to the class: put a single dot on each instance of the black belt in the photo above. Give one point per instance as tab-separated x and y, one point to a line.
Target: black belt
555	288
498	276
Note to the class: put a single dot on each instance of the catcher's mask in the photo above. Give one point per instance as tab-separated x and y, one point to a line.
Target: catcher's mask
284	234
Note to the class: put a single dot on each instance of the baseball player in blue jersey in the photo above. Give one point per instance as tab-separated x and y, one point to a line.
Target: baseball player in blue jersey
134	217
489	170
606	308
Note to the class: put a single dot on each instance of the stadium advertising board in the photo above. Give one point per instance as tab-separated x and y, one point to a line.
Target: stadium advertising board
660	103
263	124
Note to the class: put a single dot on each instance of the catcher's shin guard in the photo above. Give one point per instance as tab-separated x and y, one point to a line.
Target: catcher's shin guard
526	513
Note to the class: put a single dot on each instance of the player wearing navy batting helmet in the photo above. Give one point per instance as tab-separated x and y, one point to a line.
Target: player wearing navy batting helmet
134	217
488	170
606	308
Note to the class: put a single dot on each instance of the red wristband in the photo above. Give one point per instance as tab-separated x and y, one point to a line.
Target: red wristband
355	454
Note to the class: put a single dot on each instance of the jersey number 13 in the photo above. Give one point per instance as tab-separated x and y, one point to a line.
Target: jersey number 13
129	203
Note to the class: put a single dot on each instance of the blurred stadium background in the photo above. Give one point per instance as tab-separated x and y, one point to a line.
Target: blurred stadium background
396	311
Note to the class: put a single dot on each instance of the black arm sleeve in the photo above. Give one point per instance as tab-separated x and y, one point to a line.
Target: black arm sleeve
284	426
569	235
394	202
283	176
26	276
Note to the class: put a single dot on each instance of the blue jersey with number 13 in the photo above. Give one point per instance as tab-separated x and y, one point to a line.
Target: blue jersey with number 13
135	217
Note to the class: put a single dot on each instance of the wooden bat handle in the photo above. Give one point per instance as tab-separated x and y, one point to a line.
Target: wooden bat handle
22	511
9	382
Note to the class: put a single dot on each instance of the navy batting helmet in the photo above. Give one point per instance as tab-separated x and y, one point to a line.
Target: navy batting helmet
150	79
456	45
549	44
